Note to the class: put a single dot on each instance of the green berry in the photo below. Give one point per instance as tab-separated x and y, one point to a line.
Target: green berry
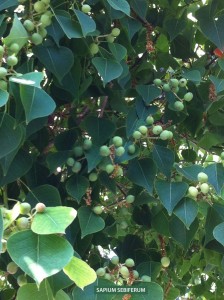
124	271
143	129
42	32
124	211
76	167
104	151
175	89
109	168
166	87
107	276
193	191
97	210
182	82
12	268
129	262
115	32
157	129
86	8
188	96
25	208
4	246
137	135
110	38
22	223
222	155
165	135
100	272
21	280
14	48
87	144
39	7
204	188
46	2
123	225
40	207
202	177
178	105
70	161
117	141
12	60
135	274
78	151
131	149
119	151
28	25
130	199
165	261
146	278
115	260
45	20
174	82
93	48
93	177
3	72
149	120
157	82
119	171
36	38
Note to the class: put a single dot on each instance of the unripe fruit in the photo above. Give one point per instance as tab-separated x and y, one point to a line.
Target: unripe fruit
115	260
104	151
174	82
115	32
47	2
77	167
131	149
135	274
21	280
39	7
143	129
4	246
107	276
93	177
45	20
204	188
165	261
149	120
3	72
12	268
157	129
78	151
193	191
119	151
109	168
175	89
129	262
25	208
202	177
14	48
98	210
157	82
166	87
3	85
93	48
182	82
70	161
123	225
188	96
130	199
12	61
165	135
87	144
1	50
36	38
146	278
22	223
40	207
222	155
100	272
28	25
117	141
137	135
119	171
178	105
124	271
42	32
110	38
86	8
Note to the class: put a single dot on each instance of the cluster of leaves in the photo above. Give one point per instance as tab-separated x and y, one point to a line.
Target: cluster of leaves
111	130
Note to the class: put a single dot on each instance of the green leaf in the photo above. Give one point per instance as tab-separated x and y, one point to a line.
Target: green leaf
89	221
170	193
36	102
31	290
8	3
32	78
142	172
190	172
53	220
108	182
61	295
107	68
140	7
118	51
218	233
215	174
12	215
4	97
186	211
76	186
164	159
160	222
99	129
155	291
57	159
58	60
175	26
71	28
213	218
150	268
148	92
87	24
121	5
42	255
93	157
210	139
193	75
47	194
17	34
59	281
218	83
1	230
80	272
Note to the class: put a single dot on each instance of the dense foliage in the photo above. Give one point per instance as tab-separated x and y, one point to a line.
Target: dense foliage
111	148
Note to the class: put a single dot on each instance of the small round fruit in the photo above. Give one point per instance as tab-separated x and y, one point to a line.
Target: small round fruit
119	171
165	261
165	135
146	278
175	89
222	155
129	262
123	225
14	48
12	60
124	271
4	246
25	208
104	151
119	151
149	120
28	24
12	268
87	144
47	2
97	210
130	199
157	82
93	177
204	188
157	129
143	129
135	274
117	141
178	105
42	32
109	168
131	149
193	191
70	161
86	8
45	20
36	38
93	48
202	177
100	272
166	87
188	96
40	207
107	276
78	151
77	167
110	38
115	32
22	223
115	260
39	7
137	135
3	72
21	280
182	82
174	82
1	50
